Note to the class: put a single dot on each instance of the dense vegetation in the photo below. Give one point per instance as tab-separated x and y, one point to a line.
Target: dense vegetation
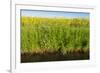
64	35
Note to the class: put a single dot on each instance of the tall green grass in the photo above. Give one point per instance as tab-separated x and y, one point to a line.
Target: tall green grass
54	34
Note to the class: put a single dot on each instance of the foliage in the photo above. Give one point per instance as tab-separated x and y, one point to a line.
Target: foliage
54	34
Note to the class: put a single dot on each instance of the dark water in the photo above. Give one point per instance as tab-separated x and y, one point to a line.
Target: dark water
53	56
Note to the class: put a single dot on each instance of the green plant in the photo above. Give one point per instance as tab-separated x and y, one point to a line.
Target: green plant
54	34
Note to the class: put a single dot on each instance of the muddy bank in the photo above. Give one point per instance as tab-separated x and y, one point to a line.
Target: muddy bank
53	56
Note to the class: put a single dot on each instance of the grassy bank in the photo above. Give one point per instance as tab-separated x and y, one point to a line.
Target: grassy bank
63	35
